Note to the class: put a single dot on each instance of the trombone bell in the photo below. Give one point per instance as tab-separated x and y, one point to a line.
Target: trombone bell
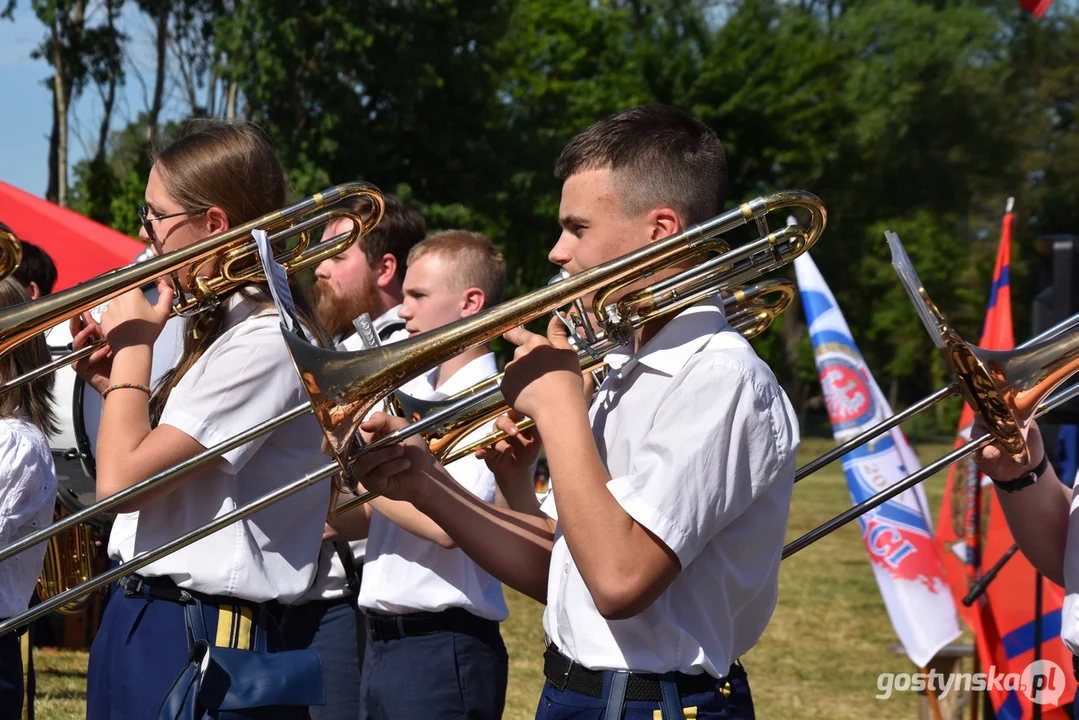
1004	387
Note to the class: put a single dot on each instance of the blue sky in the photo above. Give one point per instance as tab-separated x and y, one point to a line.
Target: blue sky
27	120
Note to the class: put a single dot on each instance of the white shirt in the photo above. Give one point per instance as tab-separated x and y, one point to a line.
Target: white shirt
1069	620
700	442
27	497
244	378
404	573
330	581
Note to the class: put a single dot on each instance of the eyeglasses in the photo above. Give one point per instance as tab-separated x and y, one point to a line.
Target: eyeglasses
147	222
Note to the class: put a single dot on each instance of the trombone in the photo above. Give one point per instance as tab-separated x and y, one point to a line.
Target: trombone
1009	389
750	310
10	253
231	256
370	375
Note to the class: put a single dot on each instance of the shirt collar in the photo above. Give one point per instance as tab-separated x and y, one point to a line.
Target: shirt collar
677	341
243	303
390	317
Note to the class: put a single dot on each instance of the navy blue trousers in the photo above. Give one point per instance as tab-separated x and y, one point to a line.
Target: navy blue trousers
735	704
140	649
336	631
11	689
442	675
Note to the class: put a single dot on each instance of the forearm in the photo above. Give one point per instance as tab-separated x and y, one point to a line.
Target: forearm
1038	519
519	493
405	516
513	547
352	525
125	422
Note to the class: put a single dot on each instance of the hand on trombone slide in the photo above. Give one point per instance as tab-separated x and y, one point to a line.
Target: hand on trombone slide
398	472
996	462
129	320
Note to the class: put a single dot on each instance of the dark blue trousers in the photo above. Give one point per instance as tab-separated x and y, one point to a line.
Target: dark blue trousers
141	647
11	688
442	675
734	704
336	631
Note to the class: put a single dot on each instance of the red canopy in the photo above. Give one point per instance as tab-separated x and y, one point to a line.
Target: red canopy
80	247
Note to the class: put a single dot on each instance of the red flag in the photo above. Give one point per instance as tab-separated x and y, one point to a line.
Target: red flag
1036	7
972	523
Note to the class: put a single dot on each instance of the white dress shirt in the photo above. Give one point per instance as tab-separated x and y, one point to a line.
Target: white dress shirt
330	581
700	443
1069	620
404	573
244	378
27	497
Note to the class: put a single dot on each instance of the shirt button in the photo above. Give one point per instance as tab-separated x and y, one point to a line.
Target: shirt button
565	569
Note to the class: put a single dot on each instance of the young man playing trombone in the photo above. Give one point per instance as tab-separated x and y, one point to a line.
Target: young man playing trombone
434	648
657	552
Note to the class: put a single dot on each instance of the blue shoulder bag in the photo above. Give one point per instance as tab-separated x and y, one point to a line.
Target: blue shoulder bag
231	684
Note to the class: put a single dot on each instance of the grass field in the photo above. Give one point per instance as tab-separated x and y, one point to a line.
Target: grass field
828	640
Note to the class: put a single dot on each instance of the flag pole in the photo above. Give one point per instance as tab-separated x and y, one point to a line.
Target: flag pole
931	694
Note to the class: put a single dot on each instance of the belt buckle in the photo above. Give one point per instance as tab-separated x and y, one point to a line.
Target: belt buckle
132	585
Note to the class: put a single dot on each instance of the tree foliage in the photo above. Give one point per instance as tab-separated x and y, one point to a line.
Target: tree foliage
914	116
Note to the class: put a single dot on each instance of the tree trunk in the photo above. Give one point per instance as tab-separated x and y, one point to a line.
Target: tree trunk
793	329
162	23
211	92
109	97
52	192
230	103
61	96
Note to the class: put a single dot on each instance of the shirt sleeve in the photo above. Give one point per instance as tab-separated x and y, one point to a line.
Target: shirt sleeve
471	473
720	440
28	481
246	378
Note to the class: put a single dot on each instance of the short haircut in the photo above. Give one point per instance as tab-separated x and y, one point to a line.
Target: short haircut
401	227
477	262
660	157
35	266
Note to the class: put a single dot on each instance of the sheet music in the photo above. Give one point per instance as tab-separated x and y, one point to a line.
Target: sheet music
277	278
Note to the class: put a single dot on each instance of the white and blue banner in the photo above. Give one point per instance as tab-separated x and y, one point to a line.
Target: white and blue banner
898	534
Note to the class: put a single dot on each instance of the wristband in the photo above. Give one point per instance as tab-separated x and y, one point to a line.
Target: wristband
1026	479
121	386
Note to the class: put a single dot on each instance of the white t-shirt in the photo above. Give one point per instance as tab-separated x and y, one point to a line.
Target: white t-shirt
27	498
404	573
244	378
700	442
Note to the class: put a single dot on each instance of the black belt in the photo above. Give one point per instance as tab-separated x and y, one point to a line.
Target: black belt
163	588
395	627
564	674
